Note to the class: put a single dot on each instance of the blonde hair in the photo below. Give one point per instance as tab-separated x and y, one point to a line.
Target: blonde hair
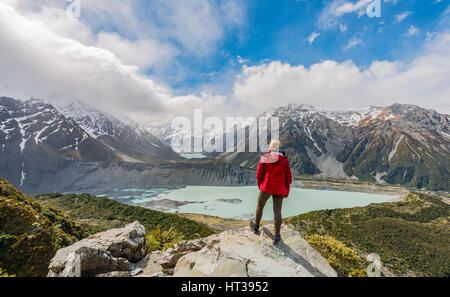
274	145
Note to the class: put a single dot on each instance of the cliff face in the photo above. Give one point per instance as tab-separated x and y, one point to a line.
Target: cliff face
70	176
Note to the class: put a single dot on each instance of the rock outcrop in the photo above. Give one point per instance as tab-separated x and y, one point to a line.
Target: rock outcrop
233	253
170	258
240	253
110	253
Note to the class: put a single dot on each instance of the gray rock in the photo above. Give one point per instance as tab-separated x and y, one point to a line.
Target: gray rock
240	253
171	256
149	265
114	274
105	252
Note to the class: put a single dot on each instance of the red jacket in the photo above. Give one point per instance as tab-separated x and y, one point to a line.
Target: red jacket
274	174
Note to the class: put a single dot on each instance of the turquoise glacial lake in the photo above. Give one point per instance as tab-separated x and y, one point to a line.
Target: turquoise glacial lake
240	202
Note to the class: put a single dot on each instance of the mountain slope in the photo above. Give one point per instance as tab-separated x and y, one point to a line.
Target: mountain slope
31	234
35	138
411	235
405	145
129	143
400	144
32	229
103	213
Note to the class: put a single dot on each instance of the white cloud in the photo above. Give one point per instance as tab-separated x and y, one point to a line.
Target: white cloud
348	7
142	53
313	37
197	24
37	62
342	28
330	84
241	60
42	52
352	43
413	30
337	8
400	17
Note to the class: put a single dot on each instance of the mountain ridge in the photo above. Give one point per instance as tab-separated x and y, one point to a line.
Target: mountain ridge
400	144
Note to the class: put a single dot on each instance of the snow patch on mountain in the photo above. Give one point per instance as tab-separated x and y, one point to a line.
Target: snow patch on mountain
394	151
95	122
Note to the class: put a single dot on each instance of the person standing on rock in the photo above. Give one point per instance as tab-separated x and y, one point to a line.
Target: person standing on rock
274	179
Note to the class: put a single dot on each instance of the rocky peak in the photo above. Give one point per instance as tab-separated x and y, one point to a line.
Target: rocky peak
130	142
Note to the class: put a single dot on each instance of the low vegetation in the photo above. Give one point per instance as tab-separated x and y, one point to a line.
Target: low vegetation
159	239
33	229
342	258
412	236
101	213
30	234
5	274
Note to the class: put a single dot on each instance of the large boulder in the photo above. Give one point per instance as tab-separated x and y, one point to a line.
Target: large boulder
240	253
111	251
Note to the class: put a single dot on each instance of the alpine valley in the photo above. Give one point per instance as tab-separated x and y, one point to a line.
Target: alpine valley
400	144
76	147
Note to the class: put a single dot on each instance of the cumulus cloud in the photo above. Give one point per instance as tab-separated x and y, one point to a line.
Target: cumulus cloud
43	52
37	62
329	84
197	24
144	53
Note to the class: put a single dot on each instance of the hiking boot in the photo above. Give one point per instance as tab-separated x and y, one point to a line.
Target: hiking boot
276	239
254	228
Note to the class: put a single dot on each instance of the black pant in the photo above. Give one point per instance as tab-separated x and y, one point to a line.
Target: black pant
277	204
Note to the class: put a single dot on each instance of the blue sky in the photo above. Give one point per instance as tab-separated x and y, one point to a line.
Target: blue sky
150	60
279	30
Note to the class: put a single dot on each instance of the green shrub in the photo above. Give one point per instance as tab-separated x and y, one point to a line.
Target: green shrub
159	239
342	258
31	234
411	236
358	273
104	214
4	274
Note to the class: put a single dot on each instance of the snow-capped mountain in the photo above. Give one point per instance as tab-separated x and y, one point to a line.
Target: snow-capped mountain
35	124
403	144
130	143
399	144
34	136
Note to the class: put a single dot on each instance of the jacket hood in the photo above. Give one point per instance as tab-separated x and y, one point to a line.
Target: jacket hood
272	157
